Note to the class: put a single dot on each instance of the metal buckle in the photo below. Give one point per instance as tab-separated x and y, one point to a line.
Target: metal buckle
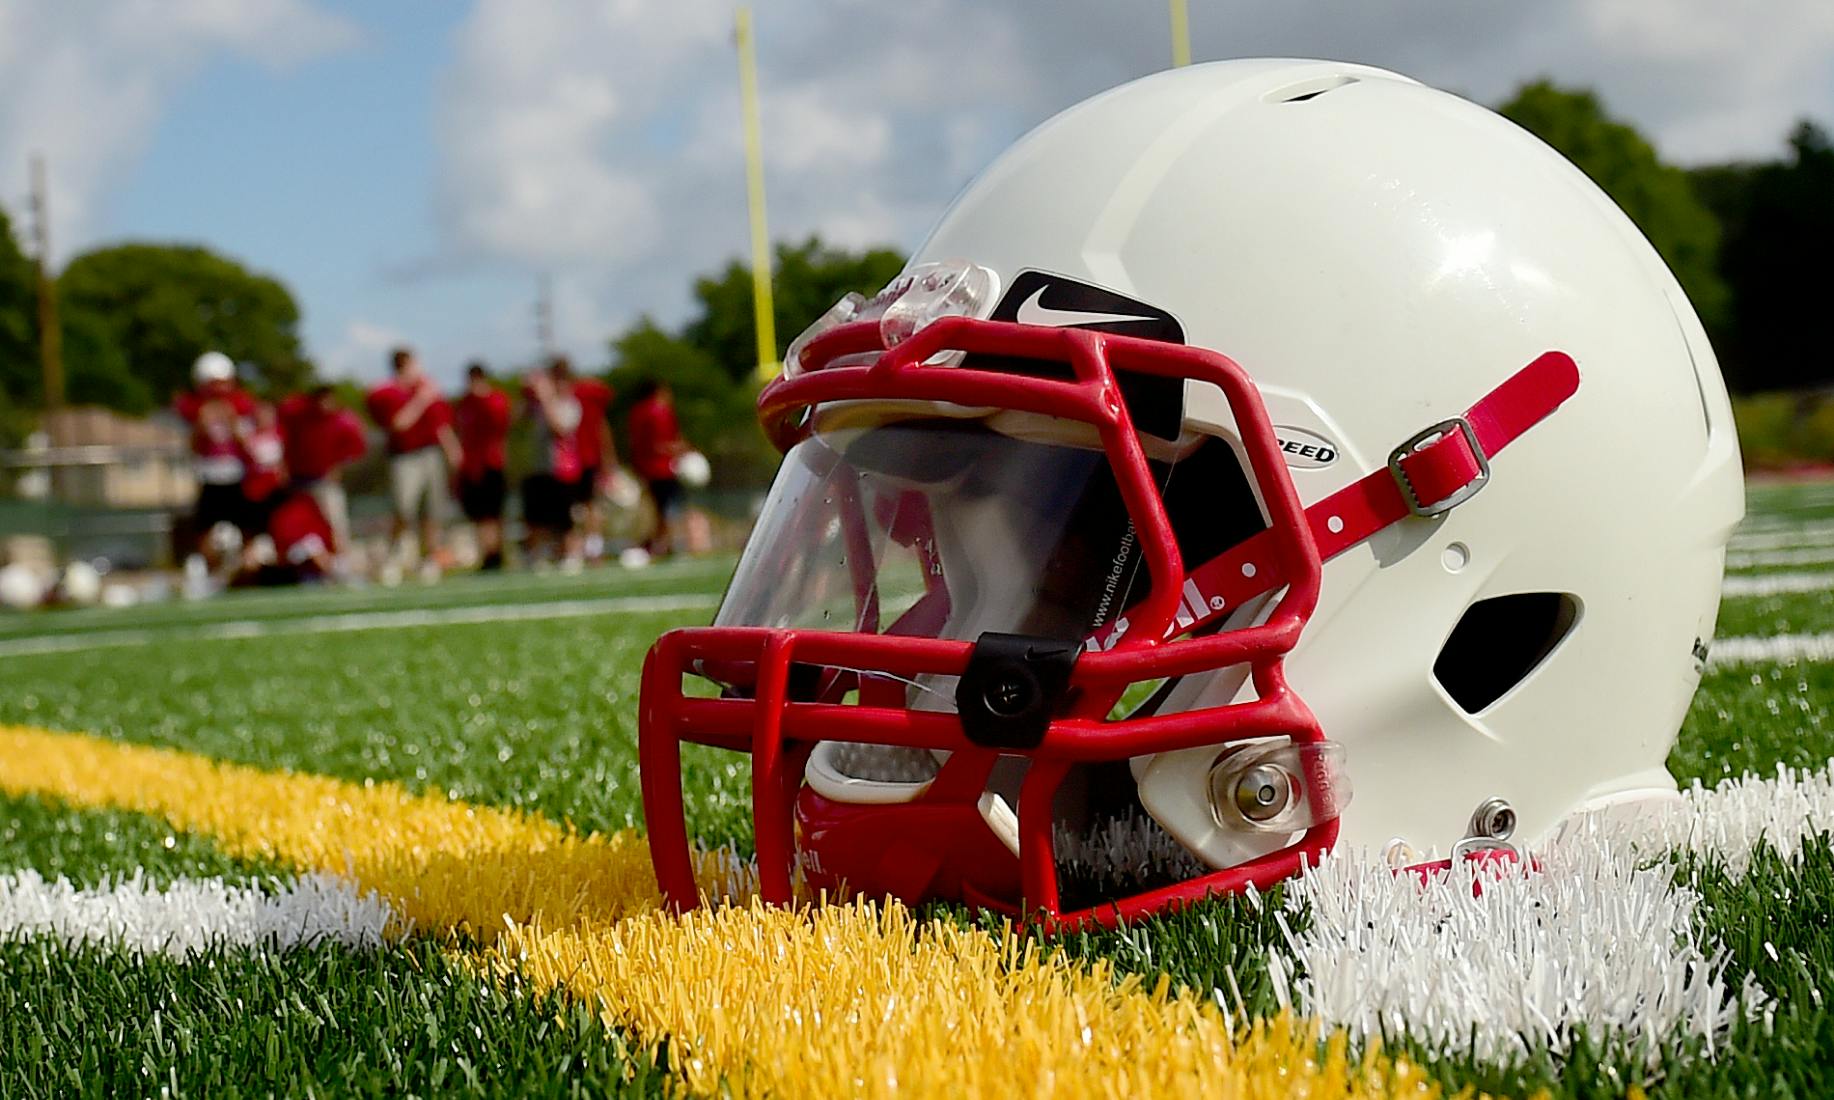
1433	434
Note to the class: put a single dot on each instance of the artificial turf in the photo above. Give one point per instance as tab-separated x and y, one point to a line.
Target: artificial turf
538	715
90	847
404	1021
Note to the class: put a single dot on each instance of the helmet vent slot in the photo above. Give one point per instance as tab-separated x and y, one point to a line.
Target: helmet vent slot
1499	642
1306	90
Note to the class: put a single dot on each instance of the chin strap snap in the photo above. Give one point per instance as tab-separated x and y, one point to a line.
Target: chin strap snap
1429	474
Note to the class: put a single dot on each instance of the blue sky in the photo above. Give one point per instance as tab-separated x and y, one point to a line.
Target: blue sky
410	167
320	174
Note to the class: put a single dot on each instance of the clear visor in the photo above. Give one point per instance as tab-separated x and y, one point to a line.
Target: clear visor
943	522
940	527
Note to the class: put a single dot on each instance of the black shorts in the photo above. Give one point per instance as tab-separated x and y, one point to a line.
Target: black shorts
482	499
547	502
256	513
220	504
666	493
584	489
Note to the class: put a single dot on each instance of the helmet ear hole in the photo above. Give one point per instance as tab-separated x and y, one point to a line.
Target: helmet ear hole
1499	642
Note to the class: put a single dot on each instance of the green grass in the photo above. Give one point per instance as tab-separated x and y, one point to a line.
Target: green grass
1778	924
685	576
314	1021
1753	719
539	715
1791	613
89	847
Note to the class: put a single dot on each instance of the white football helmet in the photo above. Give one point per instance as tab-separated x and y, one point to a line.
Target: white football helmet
213	366
1501	639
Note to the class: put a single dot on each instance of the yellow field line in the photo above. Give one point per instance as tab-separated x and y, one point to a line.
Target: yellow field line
442	864
857	999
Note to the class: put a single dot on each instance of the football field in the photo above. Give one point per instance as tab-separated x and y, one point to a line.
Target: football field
390	841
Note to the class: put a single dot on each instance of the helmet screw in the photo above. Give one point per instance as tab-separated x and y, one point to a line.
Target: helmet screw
1263	792
1494	819
1009	695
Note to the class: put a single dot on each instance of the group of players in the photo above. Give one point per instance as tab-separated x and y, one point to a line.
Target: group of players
276	469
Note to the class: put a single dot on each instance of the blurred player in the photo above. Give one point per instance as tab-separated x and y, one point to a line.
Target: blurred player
655	445
264	470
421	447
304	546
218	411
482	420
321	438
598	455
552	487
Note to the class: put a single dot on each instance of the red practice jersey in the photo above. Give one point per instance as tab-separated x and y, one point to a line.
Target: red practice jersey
482	424
387	399
655	437
594	398
318	441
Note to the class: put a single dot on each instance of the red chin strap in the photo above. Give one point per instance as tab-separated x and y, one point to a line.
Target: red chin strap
938	845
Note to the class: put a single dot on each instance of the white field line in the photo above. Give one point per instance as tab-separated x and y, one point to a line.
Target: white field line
1807	534
356	621
190	915
1592	941
1598	937
1776	584
1758	559
1776	649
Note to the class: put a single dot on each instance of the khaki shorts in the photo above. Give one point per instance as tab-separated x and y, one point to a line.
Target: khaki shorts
331	501
417	479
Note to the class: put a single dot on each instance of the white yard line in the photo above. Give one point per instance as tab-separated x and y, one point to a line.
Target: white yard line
1776	584
356	621
1802	555
1598	938
1807	534
1591	942
190	915
1776	649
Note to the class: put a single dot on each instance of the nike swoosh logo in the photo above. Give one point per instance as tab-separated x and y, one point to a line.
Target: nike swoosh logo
1033	313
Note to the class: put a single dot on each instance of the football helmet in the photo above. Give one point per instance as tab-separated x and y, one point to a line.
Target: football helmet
213	367
1247	436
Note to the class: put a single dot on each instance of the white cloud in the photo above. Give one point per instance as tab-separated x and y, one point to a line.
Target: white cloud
361	351
85	85
603	141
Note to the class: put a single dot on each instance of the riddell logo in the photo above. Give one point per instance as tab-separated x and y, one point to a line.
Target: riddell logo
1305	450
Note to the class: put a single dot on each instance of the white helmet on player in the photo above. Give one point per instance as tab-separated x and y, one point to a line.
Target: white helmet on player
1496	407
213	366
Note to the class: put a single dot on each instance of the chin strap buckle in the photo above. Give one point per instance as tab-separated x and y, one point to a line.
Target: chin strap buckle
1440	467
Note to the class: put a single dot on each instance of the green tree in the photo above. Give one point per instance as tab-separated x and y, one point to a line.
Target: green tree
18	347
162	306
1779	232
809	277
711	364
1658	197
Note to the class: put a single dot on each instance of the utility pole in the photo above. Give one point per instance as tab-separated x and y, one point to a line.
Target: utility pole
50	333
544	315
764	317
1181	35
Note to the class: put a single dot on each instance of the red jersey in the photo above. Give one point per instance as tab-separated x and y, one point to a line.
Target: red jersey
299	530
317	441
556	444
214	439
655	438
594	398
482	424
263	457
387	399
